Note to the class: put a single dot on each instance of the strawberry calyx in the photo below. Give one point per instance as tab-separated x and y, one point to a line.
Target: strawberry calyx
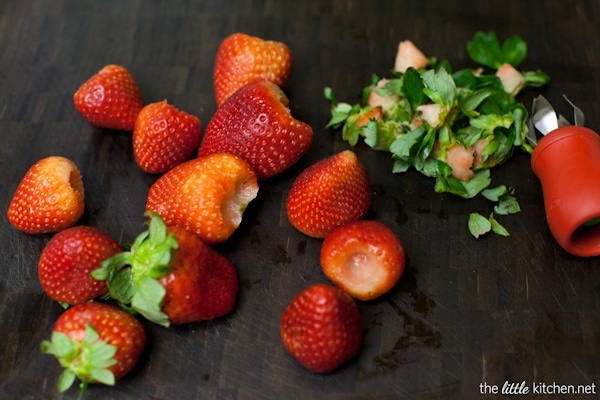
88	360
132	276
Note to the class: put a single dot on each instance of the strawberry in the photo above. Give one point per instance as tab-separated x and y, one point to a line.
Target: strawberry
409	56
164	137
364	258
512	80
96	343
373	114
68	259
242	59
328	194
206	195
49	198
256	124
110	99
171	277
321	328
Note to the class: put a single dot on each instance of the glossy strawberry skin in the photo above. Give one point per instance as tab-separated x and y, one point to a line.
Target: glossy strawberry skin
164	137
49	198
322	328
109	99
242	59
201	285
328	194
256	125
115	326
206	195
365	258
68	259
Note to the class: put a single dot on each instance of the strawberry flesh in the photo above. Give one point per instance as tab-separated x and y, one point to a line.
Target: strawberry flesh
365	258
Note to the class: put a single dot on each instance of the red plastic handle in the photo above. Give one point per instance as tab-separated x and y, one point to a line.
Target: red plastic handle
567	162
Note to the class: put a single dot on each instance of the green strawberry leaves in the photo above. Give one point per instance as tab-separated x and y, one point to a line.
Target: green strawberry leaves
473	110
132	276
88	360
485	49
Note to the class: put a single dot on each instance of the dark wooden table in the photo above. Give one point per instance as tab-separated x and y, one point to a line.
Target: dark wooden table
467	312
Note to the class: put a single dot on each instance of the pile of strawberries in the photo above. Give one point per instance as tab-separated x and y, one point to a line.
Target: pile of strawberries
170	274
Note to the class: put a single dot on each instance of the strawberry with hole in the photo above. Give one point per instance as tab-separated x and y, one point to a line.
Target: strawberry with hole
206	195
110	99
96	343
68	259
328	194
322	328
171	277
49	198
256	124
365	258
242	59
164	137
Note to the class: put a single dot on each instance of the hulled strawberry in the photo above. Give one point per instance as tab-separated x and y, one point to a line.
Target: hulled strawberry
322	328
164	137
110	99
206	195
243	58
96	343
171	277
67	261
256	124
328	194
49	198
365	258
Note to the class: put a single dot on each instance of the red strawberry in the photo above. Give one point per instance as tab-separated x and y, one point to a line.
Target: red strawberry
96	343
110	99
164	137
364	258
49	198
171	277
242	59
68	259
321	328
328	194
206	195
255	124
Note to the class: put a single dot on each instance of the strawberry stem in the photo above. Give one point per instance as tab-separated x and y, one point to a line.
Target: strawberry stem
132	276
88	360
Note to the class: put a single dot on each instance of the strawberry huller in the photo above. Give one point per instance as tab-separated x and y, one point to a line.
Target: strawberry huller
567	162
